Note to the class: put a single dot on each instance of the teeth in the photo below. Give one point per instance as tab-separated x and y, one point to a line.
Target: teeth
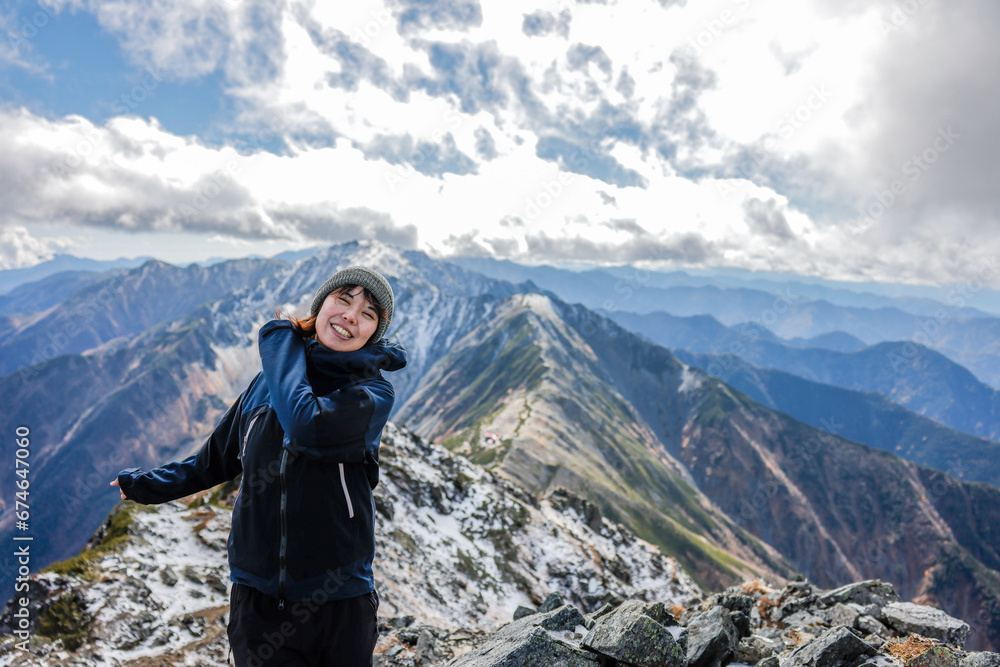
341	330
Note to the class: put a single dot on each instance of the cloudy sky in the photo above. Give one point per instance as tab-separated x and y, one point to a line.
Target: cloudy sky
850	140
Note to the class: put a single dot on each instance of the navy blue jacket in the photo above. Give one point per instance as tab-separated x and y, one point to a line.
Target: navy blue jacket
305	434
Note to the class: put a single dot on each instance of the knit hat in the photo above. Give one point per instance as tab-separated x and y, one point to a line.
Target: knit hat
366	277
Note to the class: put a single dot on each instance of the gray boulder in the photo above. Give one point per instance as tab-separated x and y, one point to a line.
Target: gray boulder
943	656
936	656
844	614
980	659
551	601
872	626
906	617
633	635
537	640
872	591
533	648
838	647
522	611
712	638
804	618
563	619
755	648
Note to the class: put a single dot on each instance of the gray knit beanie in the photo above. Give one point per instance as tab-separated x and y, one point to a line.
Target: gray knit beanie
371	280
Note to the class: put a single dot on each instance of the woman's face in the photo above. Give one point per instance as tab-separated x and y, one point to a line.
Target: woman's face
346	320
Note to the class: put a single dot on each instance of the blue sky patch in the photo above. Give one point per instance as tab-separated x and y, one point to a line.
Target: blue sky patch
86	73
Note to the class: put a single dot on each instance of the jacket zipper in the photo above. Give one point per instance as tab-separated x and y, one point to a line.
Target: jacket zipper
245	437
347	496
284	532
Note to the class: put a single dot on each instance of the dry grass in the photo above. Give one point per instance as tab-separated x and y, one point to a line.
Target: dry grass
384	645
800	638
909	648
756	586
764	606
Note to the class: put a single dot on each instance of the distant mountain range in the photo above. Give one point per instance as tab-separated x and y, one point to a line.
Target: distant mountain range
965	335
125	303
920	379
61	263
543	393
627	280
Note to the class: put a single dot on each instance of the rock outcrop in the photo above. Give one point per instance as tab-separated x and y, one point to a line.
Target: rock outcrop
859	625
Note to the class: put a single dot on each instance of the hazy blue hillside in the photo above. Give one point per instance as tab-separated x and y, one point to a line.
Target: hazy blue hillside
920	300
921	380
122	304
835	340
11	278
40	295
865	417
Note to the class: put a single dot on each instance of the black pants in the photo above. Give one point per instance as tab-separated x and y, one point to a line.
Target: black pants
334	633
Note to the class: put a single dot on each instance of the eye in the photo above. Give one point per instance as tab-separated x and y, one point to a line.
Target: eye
343	300
369	315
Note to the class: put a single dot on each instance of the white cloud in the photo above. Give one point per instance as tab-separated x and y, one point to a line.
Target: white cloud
821	106
19	249
184	39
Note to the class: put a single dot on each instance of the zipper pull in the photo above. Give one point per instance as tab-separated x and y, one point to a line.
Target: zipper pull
281	603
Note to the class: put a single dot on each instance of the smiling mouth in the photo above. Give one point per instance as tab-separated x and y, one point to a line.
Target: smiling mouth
341	330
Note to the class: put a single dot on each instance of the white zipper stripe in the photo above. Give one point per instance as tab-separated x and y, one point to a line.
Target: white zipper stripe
343	483
249	426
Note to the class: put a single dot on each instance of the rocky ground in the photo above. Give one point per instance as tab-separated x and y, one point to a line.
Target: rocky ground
858	625
473	572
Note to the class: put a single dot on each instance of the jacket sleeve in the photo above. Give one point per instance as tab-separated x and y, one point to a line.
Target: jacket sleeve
334	426
217	461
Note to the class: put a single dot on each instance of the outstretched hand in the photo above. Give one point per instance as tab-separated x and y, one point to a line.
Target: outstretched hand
115	483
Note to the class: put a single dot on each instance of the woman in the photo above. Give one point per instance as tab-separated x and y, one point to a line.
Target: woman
305	434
